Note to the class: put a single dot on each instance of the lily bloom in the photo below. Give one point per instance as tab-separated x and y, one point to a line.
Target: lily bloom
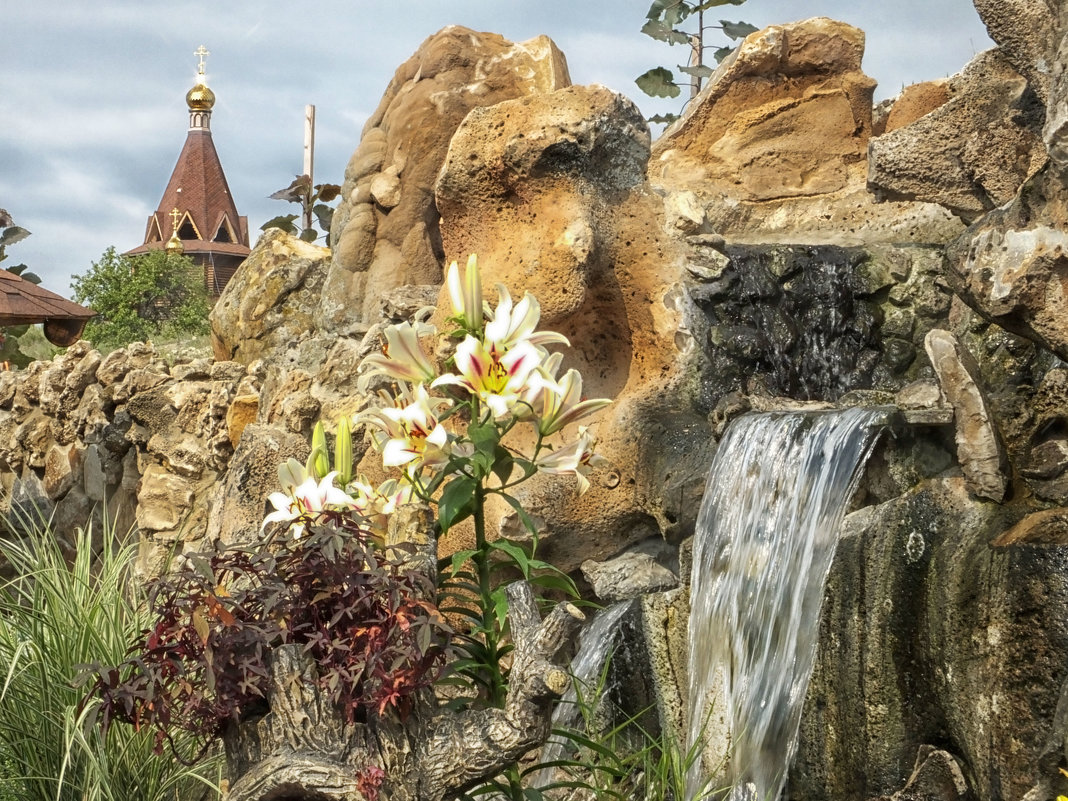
376	504
410	433
578	458
305	501
555	403
466	295
512	325
402	357
497	377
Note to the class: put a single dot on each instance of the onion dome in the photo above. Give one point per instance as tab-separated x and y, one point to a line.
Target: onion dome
200	98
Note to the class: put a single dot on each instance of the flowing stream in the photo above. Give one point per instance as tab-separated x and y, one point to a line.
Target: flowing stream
595	644
766	535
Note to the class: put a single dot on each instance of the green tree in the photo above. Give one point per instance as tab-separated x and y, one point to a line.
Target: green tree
158	295
664	23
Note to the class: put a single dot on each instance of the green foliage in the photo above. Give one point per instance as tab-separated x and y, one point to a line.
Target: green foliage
55	616
158	295
663	23
313	202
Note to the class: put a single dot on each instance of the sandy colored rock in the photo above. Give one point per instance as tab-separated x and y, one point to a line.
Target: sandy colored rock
271	299
970	154
785	115
385	231
549	191
916	101
1027	33
163	499
241	412
1047	527
979	449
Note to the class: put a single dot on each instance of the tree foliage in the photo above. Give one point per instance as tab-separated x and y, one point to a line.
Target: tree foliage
313	203
664	23
158	295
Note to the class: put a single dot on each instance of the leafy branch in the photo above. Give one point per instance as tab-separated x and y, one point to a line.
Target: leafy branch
313	201
663	23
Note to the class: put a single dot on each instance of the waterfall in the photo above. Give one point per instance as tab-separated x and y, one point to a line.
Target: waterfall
766	535
595	643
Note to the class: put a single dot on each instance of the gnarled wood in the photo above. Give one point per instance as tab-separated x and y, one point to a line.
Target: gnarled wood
303	748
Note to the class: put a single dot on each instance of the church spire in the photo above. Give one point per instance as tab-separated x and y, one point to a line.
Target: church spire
204	222
200	98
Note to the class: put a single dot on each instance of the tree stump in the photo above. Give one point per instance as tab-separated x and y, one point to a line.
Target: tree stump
304	749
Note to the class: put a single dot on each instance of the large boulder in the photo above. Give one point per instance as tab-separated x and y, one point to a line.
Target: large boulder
971	153
931	636
271	300
550	192
775	145
385	231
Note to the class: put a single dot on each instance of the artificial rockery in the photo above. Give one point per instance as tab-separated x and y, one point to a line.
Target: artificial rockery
783	243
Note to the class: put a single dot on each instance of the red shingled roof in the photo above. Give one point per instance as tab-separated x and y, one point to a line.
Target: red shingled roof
23	302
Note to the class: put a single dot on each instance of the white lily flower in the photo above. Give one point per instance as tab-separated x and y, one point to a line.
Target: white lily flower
409	432
577	457
306	501
514	324
497	378
466	295
402	357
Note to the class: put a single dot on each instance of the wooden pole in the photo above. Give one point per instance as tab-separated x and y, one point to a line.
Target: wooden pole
309	159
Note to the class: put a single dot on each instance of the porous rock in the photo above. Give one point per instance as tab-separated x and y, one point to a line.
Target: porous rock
385	231
549	191
271	300
972	153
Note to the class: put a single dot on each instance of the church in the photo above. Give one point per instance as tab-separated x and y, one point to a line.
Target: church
197	214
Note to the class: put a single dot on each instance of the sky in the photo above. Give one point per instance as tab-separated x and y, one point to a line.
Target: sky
93	115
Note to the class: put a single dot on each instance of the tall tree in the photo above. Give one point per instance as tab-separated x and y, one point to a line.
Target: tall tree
158	295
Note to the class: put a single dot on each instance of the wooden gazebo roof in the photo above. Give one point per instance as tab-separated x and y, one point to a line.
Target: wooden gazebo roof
23	302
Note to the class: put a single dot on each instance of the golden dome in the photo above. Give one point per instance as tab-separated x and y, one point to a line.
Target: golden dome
174	244
200	98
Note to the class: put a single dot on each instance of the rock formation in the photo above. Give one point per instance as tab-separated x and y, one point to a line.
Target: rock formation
738	263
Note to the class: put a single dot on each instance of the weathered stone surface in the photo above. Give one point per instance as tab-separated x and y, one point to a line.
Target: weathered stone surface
1046	527
239	502
1027	33
628	575
774	148
241	412
927	635
979	449
62	469
271	299
563	175
1010	265
163	500
916	101
972	153
385	231
114	367
788	113
936	777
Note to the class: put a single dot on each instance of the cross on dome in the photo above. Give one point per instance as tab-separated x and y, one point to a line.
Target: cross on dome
201	53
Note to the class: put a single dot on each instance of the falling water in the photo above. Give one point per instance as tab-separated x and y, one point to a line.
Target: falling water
595	643
766	534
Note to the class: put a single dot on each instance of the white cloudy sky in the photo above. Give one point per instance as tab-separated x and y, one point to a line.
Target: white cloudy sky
93	111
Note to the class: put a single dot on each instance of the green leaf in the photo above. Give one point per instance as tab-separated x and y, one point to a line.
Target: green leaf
721	53
309	234
707	4
664	33
528	524
324	215
702	71
284	221
503	461
737	30
13	234
458	559
516	555
658	82
32	277
295	192
457	501
663	119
